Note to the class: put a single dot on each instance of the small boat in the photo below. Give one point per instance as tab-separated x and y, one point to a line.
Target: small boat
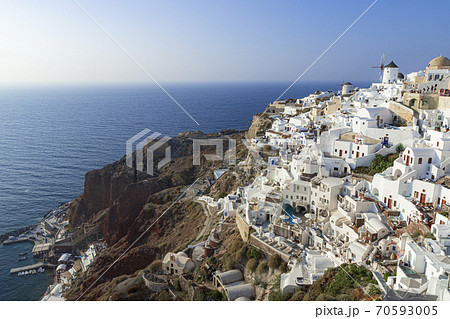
19	274
26	272
41	269
22	258
22	254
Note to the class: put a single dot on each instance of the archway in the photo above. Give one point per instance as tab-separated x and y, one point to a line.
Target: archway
397	173
300	211
412	102
376	192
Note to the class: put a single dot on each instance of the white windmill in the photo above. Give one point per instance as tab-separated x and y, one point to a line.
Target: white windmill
381	67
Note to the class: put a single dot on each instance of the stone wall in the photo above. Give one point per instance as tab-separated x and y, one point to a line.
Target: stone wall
267	248
405	114
244	229
154	283
422	101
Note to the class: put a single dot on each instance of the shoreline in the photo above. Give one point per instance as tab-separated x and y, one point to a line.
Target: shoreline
43	236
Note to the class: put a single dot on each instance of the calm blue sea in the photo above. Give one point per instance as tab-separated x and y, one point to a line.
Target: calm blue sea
50	137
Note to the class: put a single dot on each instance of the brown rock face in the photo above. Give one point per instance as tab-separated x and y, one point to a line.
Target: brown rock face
126	209
127	203
260	124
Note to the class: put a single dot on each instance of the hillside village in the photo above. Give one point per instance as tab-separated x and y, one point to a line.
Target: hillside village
344	185
359	177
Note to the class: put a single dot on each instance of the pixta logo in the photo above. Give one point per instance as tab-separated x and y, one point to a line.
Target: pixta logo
228	157
141	140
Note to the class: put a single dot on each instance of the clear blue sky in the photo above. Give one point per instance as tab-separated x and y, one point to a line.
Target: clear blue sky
53	41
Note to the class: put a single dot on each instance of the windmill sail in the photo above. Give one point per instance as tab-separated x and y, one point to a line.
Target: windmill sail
381	67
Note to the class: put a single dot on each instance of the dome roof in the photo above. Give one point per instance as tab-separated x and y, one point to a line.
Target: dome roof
440	61
391	65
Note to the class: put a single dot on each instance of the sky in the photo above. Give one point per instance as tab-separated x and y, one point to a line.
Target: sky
55	42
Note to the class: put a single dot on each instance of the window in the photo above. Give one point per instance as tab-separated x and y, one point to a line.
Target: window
420	160
429	160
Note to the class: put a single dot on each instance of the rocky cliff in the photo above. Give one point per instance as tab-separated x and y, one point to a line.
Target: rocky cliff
127	202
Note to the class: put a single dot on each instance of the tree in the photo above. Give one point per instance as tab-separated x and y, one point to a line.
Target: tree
262	268
252	264
400	148
274	261
253	252
283	267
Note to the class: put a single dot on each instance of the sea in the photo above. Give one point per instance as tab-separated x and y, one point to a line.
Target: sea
51	136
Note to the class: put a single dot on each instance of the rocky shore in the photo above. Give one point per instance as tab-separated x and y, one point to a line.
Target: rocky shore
16	233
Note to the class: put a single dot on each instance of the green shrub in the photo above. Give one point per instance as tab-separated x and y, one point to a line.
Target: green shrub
236	245
400	148
267	148
388	274
326	297
252	264
374	290
344	297
241	254
262	268
165	296
415	234
380	163
428	235
299	294
205	294
277	295
155	266
227	262
274	261
222	194
253	252
176	284
283	267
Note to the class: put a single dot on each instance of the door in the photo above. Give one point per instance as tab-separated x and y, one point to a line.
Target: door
390	203
340	153
422	198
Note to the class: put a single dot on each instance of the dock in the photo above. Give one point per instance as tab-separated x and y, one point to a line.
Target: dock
16	240
30	267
